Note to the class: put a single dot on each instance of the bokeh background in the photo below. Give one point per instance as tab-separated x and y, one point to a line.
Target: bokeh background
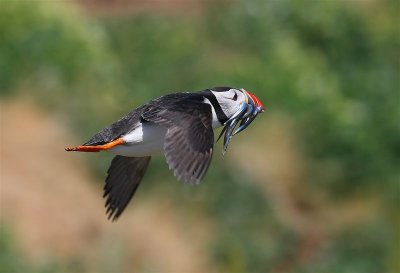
311	186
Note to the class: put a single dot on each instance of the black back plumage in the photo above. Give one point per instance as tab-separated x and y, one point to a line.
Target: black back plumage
118	128
129	122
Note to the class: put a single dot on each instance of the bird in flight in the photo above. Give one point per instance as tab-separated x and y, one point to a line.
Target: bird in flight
180	125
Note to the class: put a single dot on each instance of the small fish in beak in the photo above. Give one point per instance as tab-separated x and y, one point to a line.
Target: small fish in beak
247	112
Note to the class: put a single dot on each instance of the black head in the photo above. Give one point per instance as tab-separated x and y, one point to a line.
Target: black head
221	88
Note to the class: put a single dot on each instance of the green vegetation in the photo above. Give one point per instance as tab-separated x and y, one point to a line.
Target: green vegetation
331	67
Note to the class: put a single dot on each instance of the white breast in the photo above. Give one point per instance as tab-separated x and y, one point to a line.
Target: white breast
145	140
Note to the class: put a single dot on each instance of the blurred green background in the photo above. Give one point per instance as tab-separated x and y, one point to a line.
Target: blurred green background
311	186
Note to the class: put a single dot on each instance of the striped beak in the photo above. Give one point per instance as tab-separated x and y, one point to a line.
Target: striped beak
255	101
247	112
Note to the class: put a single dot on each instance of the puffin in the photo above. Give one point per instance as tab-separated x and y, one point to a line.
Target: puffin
178	125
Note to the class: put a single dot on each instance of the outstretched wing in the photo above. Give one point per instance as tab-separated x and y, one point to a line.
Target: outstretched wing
189	139
124	176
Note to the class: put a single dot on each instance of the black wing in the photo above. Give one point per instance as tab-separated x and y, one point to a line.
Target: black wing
124	176
189	139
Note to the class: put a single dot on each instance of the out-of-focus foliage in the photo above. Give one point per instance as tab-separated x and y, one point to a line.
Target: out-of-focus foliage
330	66
12	261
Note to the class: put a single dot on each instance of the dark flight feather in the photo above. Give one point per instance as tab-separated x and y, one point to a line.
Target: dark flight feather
124	176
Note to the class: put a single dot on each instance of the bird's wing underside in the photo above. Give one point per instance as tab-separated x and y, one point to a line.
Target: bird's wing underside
124	176
189	139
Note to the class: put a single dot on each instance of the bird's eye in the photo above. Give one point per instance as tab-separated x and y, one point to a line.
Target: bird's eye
235	97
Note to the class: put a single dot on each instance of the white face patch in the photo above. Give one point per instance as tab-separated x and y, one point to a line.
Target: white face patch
230	100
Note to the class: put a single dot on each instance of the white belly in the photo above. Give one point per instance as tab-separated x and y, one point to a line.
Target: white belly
146	140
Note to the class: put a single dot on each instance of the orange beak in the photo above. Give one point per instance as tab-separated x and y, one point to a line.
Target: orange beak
257	102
